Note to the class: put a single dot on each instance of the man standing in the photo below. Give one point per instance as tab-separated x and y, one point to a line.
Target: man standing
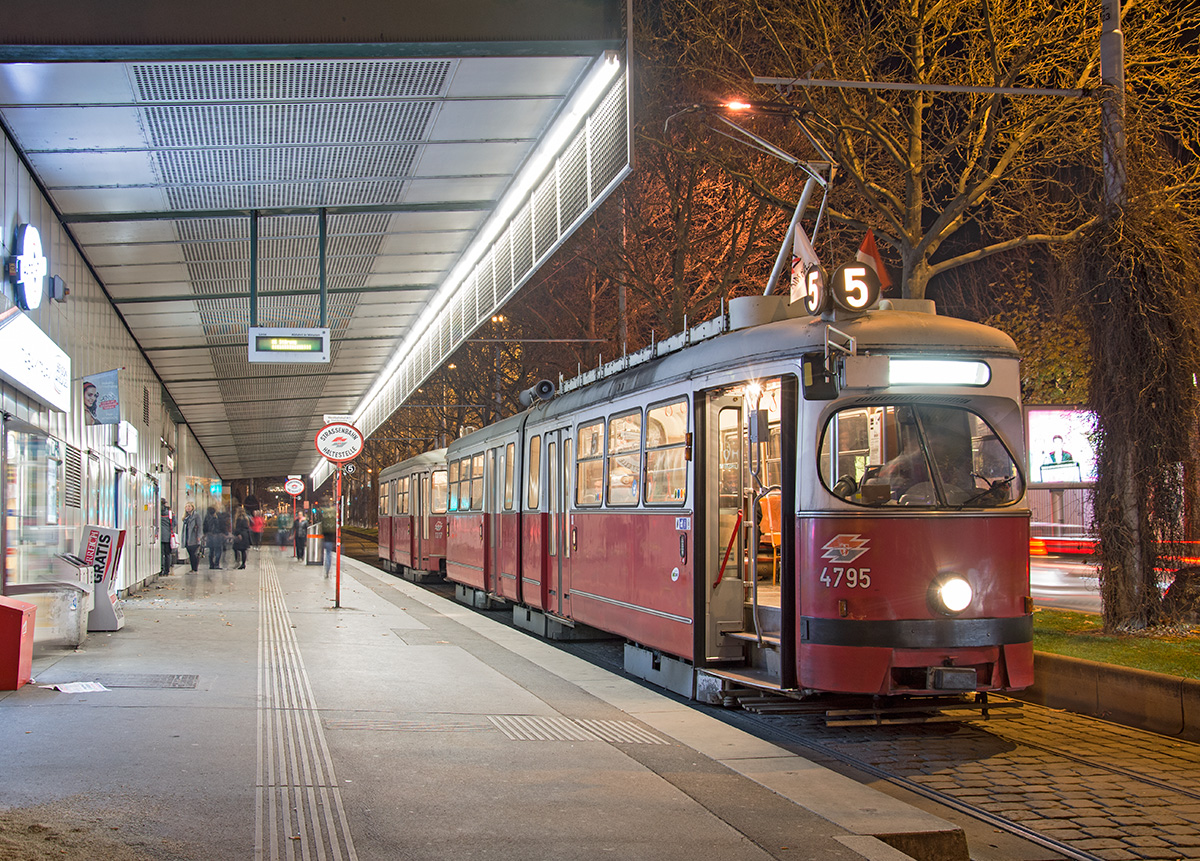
164	537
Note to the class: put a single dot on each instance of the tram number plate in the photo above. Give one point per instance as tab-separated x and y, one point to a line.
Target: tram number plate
851	577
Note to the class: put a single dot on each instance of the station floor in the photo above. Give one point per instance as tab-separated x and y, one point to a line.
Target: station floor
247	717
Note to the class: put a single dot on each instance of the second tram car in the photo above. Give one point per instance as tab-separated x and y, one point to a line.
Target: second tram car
804	505
412	516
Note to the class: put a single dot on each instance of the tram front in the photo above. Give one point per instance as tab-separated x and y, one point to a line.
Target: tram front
912	532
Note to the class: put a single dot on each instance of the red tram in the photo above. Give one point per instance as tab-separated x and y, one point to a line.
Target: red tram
805	504
412	517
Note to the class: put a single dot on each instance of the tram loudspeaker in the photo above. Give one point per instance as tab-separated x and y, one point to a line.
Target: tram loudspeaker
542	391
950	678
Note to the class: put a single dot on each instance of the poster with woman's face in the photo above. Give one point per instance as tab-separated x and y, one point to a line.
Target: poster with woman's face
1060	445
102	399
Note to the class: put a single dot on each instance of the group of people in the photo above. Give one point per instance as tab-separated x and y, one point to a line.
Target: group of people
218	529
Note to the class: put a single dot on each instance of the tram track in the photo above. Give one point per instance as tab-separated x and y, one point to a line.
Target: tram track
1000	773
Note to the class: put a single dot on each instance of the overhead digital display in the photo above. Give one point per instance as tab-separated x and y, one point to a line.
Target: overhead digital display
289	345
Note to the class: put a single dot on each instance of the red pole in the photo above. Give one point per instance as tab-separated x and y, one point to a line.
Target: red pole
337	543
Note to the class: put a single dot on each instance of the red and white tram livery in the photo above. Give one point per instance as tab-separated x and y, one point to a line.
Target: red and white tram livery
809	505
412	516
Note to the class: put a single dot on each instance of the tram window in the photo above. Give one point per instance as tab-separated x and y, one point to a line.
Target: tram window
510	461
477	483
624	458
917	455
437	498
402	496
383	500
589	468
666	442
452	482
535	474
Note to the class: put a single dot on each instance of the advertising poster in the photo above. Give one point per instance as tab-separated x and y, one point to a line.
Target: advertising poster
102	551
1060	445
102	398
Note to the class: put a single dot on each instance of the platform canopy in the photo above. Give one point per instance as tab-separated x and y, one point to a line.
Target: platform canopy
218	163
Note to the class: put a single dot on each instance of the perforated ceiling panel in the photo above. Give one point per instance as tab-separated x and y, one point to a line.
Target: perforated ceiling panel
197	189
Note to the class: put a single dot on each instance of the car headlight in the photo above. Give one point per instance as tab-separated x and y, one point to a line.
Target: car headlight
951	594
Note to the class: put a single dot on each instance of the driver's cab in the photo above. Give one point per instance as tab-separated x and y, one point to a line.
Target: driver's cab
917	454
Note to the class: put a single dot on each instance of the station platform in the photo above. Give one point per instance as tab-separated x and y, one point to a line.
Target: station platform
247	717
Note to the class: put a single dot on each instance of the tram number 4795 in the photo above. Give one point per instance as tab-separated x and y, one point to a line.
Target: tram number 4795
851	577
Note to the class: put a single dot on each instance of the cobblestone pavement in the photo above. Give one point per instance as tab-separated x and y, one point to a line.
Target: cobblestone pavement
1107	790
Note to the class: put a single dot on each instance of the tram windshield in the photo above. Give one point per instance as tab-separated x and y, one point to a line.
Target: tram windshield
917	455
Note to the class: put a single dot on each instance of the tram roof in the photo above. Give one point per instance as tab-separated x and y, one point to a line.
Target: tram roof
444	150
741	349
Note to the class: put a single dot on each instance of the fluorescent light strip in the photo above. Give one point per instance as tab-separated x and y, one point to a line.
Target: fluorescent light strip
602	73
599	77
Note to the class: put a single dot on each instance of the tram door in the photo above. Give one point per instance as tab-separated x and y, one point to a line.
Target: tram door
419	519
560	532
492	515
725	519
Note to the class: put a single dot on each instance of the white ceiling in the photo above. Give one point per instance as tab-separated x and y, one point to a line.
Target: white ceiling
155	167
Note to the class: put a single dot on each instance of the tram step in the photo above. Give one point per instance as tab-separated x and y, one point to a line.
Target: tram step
771	641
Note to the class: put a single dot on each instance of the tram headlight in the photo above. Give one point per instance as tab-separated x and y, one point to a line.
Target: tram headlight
950	594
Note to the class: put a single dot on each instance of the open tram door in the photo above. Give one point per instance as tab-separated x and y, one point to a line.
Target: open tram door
746	475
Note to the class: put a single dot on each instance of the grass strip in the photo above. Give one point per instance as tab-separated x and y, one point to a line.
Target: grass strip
1175	652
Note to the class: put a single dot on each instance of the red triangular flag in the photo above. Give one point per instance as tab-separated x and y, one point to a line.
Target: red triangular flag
868	254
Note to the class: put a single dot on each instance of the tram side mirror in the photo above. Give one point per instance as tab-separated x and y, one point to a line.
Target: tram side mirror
819	384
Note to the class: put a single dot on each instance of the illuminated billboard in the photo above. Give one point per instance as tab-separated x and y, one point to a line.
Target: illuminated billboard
1059	441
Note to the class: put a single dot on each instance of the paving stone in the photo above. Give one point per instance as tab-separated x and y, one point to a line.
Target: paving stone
1152	852
1092	845
1116	855
1145	842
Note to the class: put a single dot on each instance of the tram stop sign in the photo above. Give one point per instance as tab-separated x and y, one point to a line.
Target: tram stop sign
339	442
294	486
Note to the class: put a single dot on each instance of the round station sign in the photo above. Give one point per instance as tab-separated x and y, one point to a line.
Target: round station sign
339	442
294	486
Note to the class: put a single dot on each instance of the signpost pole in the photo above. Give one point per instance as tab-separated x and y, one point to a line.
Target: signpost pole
337	543
339	442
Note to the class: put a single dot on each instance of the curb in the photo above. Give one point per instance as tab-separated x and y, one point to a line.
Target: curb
1167	705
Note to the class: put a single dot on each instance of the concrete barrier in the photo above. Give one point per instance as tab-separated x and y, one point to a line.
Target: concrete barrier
1164	704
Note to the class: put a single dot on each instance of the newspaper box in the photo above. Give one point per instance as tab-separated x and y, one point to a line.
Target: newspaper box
16	643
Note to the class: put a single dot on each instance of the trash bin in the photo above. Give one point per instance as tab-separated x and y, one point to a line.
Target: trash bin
315	551
16	643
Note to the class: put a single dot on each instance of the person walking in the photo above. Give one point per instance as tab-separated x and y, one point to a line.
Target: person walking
214	538
300	535
190	535
257	524
283	530
241	539
165	528
329	532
